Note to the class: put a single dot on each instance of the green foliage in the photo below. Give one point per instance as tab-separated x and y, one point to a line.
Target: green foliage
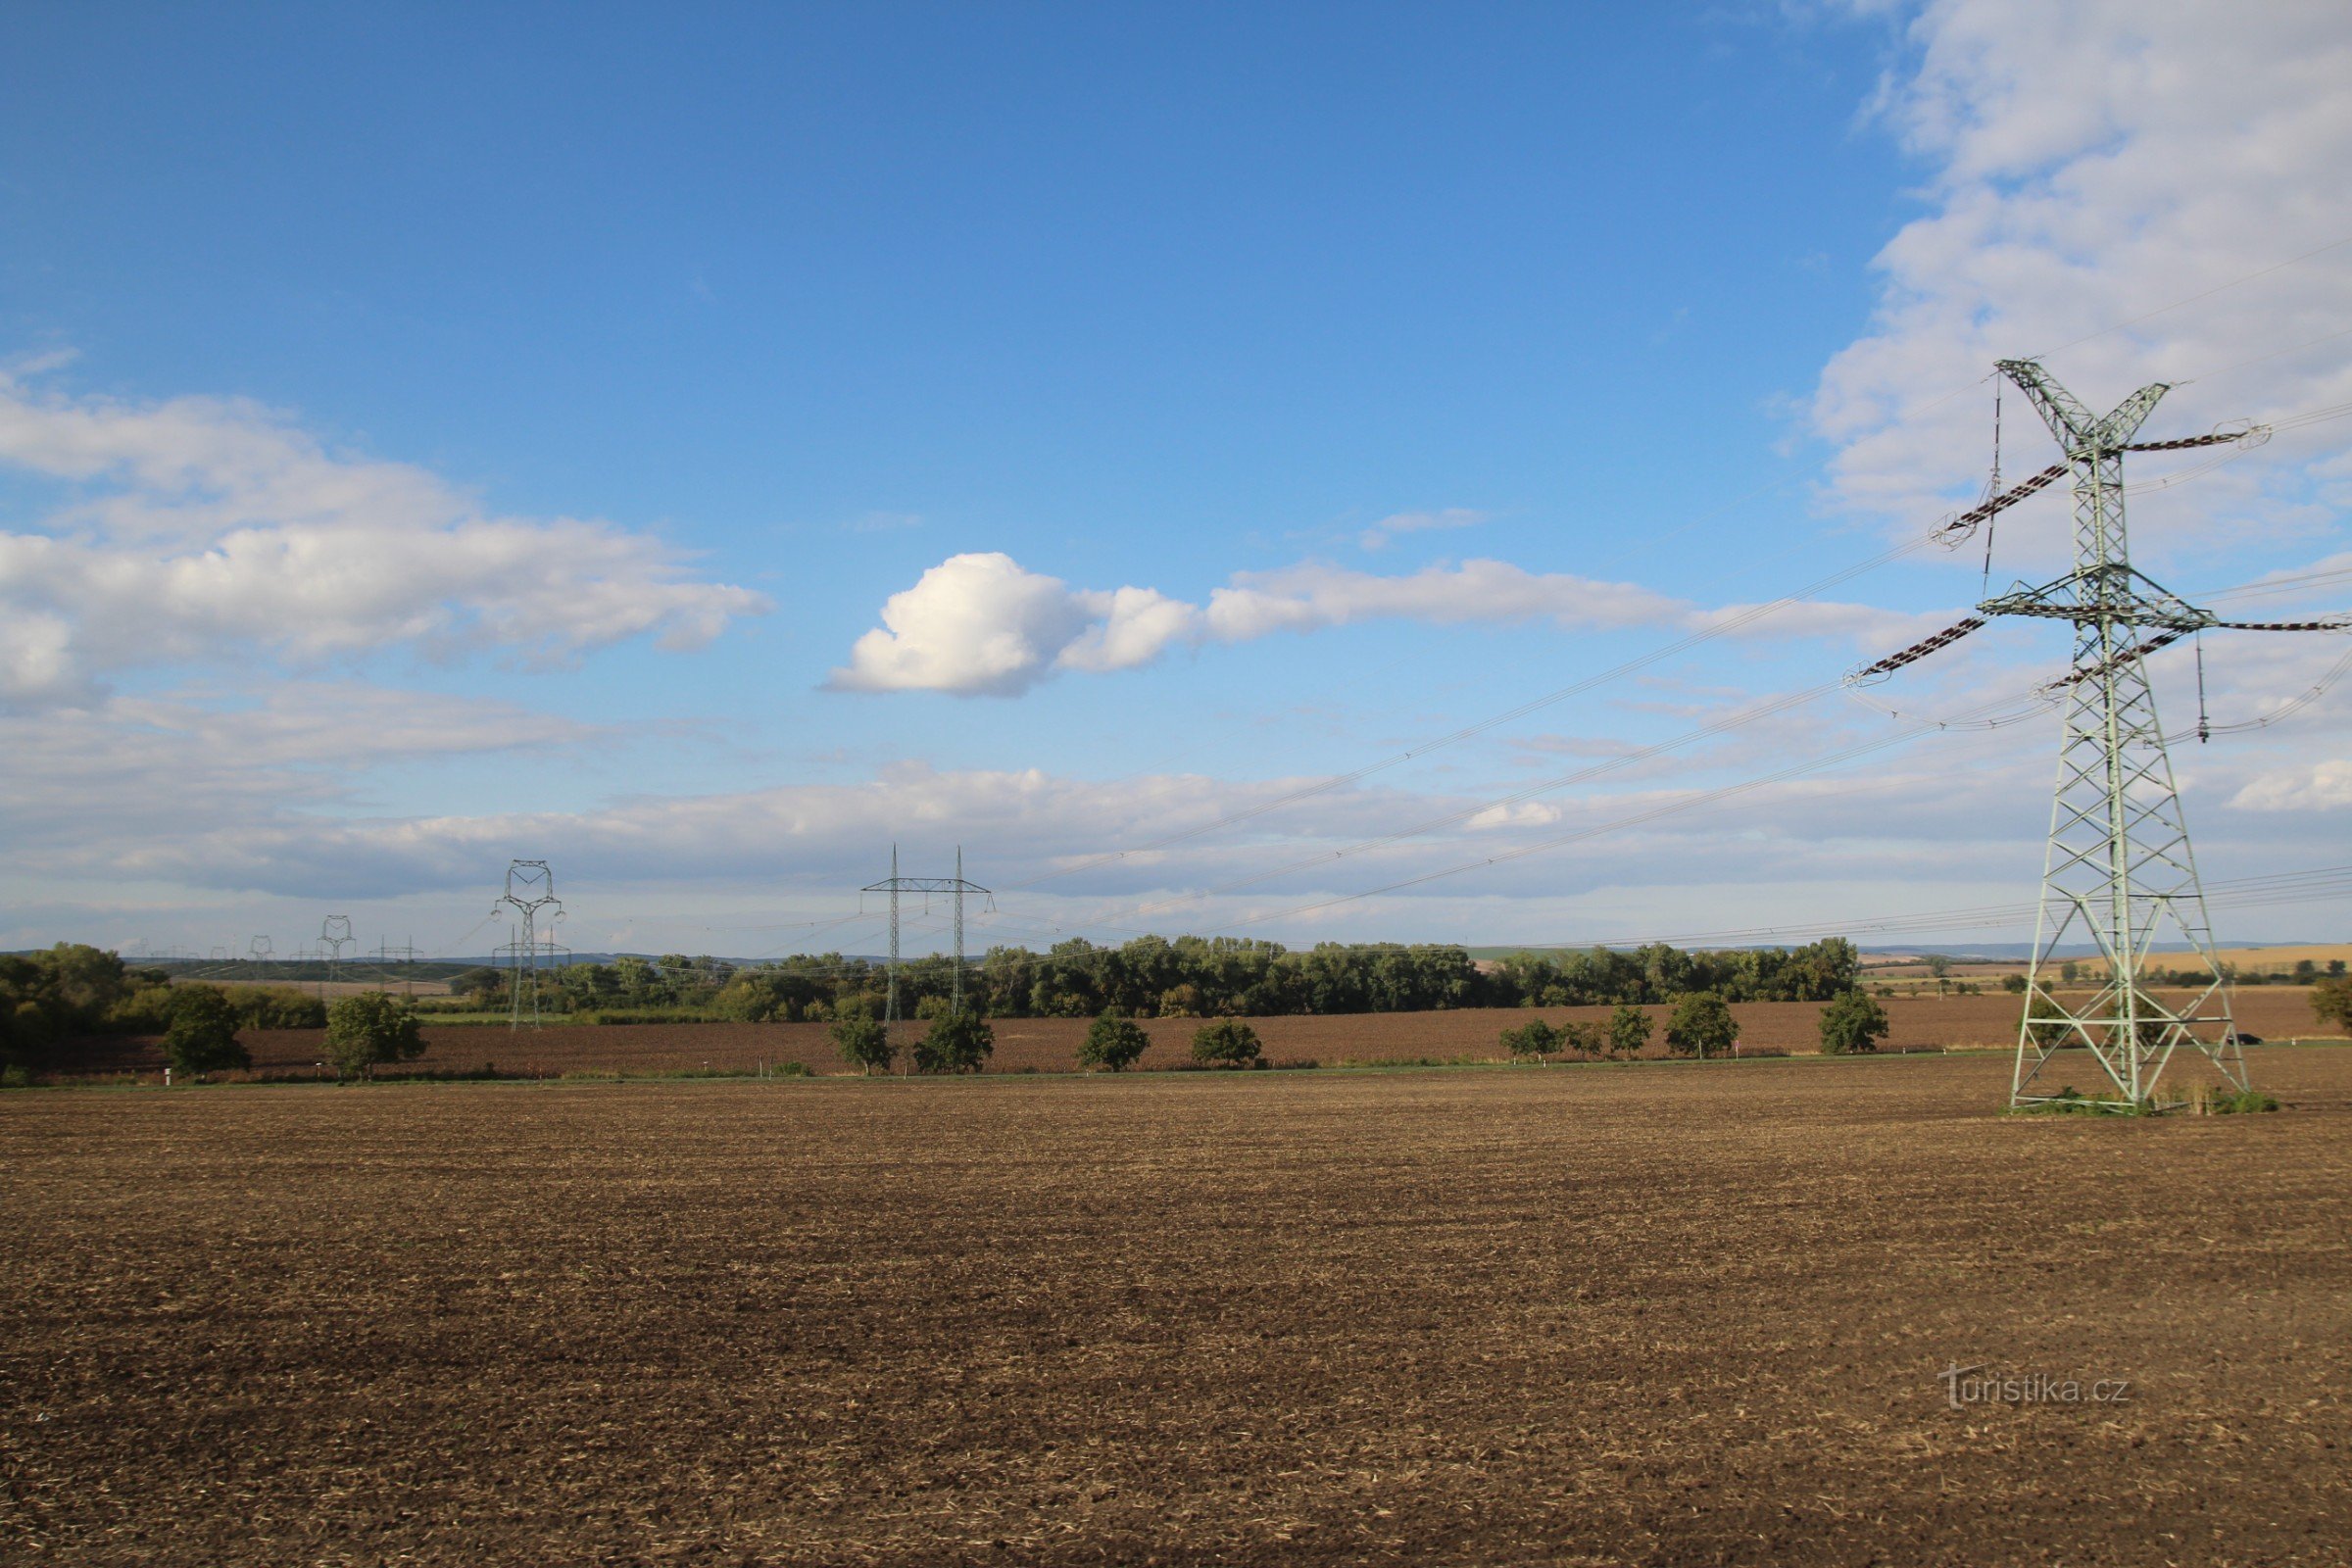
369	1030
1657	973
482	983
1629	1032
2331	1001
956	1042
2231	1103
1535	1038
67	989
2014	984
203	1034
1226	1043
1701	1025
1852	1025
275	1007
1113	1042
1580	1038
864	1043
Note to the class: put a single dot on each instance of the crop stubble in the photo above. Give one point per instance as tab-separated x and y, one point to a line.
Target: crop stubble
1649	1314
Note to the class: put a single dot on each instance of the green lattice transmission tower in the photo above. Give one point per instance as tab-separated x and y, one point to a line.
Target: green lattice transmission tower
2119	874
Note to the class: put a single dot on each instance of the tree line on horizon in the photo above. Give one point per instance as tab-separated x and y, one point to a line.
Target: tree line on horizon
1183	977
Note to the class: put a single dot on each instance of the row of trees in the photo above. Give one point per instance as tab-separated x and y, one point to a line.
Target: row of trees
363	1033
962	1041
1188	977
71	990
1701	1025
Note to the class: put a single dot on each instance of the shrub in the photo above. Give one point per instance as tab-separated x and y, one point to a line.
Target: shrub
2224	1101
203	1034
1852	1025
2331	1001
277	1007
1535	1039
1701	1022
1113	1042
956	1042
1583	1039
149	1008
1227	1042
864	1043
1629	1031
364	1031
2014	984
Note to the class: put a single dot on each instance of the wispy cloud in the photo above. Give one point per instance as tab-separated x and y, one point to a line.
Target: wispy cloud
1378	536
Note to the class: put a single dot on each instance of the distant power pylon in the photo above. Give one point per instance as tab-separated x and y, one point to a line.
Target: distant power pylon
895	885
531	893
2119	871
258	952
386	956
334	935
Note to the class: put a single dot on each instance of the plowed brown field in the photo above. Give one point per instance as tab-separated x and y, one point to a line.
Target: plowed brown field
1634	1314
1050	1045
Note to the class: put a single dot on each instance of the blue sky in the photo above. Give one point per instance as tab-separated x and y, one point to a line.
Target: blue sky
594	379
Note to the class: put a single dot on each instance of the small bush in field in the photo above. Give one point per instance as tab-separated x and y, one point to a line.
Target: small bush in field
369	1030
1534	1039
864	1043
203	1034
1851	1025
1701	1025
1226	1043
958	1042
1113	1042
1629	1031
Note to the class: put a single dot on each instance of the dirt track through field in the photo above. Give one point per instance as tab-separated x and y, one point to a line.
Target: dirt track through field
1650	1314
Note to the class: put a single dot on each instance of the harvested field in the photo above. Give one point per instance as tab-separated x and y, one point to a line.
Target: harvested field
1050	1045
1656	1314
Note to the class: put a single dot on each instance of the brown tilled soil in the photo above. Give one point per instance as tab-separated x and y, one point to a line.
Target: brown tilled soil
1050	1045
1652	1314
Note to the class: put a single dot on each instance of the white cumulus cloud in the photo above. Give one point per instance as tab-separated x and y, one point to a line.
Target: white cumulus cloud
2140	192
2313	787
200	529
985	625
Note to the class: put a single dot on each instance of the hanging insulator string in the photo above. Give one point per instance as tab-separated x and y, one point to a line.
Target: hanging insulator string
2204	725
1995	488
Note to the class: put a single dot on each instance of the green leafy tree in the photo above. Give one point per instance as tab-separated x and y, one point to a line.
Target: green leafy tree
203	1035
1700	1024
2332	1001
1113	1042
956	1042
1583	1038
1534	1039
1226	1043
369	1030
1629	1031
864	1043
481	982
1852	1025
2014	984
